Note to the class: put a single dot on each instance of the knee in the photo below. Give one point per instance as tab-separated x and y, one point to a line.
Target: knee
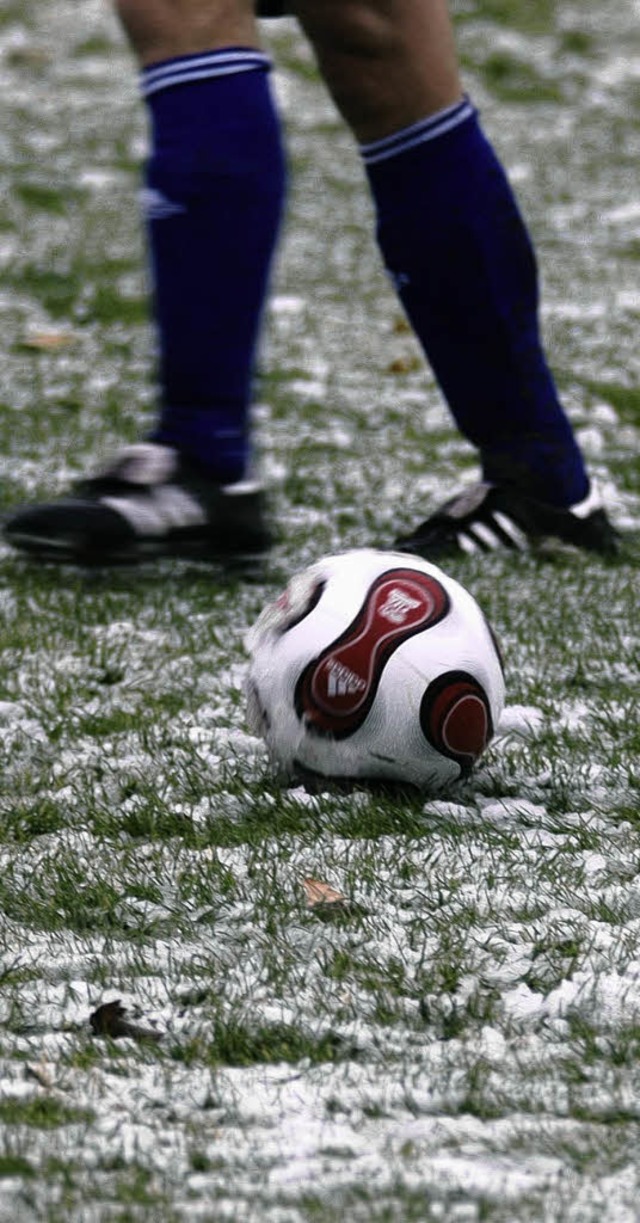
362	29
386	62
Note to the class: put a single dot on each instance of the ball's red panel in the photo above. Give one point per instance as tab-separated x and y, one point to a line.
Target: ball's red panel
455	717
336	690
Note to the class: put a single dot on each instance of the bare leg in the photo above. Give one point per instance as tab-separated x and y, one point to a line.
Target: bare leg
161	29
388	63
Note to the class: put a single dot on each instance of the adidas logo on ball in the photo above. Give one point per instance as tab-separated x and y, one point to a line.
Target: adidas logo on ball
340	681
398	606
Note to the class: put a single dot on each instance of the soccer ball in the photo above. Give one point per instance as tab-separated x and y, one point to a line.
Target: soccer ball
375	665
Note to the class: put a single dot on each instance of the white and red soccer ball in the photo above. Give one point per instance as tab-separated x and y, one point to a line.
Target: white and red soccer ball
375	665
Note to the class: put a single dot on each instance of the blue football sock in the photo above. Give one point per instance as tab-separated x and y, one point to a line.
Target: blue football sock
457	249
213	200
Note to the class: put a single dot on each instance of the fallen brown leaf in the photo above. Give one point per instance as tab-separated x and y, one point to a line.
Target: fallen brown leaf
49	341
29	57
404	365
39	1072
319	893
110	1020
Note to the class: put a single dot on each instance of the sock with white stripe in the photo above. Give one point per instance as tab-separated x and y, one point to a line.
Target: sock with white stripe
457	249
213	200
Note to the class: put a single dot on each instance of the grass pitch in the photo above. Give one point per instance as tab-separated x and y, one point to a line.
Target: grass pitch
460	1041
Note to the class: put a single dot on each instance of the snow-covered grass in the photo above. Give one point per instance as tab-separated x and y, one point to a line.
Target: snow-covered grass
461	1040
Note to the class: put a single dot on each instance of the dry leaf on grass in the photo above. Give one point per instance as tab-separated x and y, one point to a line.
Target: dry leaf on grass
327	902
29	57
48	341
110	1020
41	1073
404	365
322	896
